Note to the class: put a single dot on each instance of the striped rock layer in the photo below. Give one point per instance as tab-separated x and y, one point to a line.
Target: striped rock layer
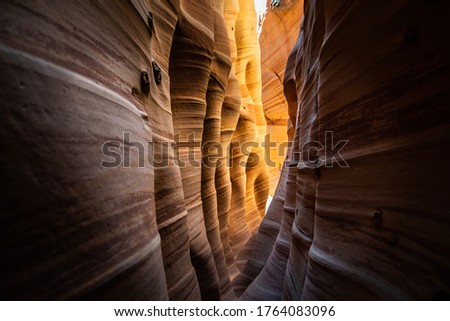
113	115
376	77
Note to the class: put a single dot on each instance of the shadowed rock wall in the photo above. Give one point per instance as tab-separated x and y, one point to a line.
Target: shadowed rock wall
70	82
112	183
376	75
112	187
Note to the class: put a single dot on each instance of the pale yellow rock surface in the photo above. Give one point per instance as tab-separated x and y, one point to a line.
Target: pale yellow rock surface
279	32
249	173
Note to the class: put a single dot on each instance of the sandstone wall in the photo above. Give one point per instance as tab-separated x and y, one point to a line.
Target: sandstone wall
249	173
279	32
109	190
154	80
71	80
376	75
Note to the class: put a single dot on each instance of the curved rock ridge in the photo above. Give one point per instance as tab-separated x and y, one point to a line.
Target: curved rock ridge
274	235
69	227
117	111
279	32
132	165
249	172
374	77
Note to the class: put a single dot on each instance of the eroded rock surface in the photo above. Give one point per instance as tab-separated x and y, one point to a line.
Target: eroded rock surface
112	115
149	88
279	32
375	75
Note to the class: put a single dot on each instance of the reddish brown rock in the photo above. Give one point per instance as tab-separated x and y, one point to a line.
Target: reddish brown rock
213	148
162	18
69	227
373	75
91	91
147	226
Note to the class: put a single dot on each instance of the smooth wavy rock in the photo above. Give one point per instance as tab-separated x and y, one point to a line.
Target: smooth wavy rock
71	228
249	173
128	85
279	32
182	284
373	227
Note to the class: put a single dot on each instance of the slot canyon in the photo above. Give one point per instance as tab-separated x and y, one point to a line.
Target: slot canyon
209	150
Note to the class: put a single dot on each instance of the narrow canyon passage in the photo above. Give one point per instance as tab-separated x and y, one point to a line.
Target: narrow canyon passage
218	150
